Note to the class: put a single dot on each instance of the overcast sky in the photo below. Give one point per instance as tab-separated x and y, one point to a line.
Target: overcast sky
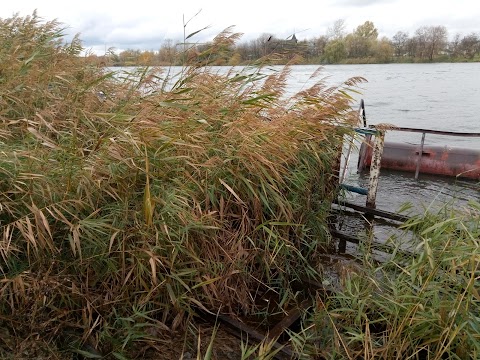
142	24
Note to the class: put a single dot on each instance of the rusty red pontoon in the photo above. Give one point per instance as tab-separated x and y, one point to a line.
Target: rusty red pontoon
436	160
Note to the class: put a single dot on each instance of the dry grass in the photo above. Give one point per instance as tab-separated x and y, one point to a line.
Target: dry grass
129	200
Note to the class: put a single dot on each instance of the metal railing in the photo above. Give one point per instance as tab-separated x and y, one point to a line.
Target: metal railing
378	146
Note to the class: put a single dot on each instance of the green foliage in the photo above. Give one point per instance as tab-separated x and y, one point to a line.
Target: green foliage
367	30
425	306
335	51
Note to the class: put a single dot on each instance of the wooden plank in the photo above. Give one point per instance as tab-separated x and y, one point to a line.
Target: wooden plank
375	169
342	236
238	329
419	157
376	212
355	240
288	320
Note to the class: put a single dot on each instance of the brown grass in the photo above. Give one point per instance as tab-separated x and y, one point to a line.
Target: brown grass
128	201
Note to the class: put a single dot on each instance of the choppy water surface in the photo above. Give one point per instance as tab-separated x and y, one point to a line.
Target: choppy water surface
431	96
436	96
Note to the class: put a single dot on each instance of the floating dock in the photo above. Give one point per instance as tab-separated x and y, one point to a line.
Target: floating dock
435	160
375	154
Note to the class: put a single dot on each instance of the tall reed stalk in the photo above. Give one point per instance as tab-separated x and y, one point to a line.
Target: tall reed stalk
129	200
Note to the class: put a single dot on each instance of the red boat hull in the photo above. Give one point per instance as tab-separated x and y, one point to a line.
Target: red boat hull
437	160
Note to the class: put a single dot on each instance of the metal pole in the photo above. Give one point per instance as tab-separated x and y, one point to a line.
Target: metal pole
375	169
363	153
419	158
362	112
362	118
347	159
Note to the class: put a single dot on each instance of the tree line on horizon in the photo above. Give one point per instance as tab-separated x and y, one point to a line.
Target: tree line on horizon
362	45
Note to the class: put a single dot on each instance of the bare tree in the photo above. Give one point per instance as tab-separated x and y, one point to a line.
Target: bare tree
411	46
399	42
167	52
337	31
470	45
318	45
266	42
256	48
431	40
454	46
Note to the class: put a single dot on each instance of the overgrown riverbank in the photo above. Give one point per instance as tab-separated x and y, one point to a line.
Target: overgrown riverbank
126	205
129	201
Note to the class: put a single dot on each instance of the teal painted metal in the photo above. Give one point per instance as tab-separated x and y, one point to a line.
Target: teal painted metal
354	189
366	131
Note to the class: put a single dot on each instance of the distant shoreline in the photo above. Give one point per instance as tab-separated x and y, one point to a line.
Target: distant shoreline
349	62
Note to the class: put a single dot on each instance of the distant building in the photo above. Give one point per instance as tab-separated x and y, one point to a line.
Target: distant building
288	47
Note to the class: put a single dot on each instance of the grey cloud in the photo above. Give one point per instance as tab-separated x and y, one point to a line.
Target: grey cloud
104	31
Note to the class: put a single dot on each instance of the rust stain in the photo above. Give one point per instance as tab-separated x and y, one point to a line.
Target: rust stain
436	160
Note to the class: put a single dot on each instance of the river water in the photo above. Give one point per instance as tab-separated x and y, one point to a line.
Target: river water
431	96
437	96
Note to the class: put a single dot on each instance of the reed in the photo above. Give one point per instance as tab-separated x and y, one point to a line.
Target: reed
421	307
129	200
